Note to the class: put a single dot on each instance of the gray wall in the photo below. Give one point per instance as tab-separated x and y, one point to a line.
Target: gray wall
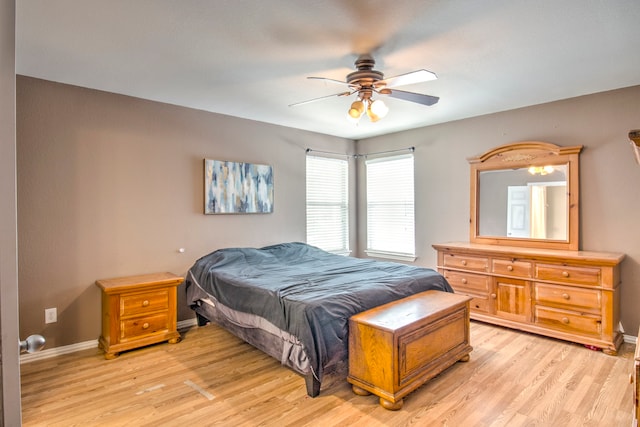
609	176
110	185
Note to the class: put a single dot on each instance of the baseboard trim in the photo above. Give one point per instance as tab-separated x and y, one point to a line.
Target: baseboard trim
183	324
57	351
66	349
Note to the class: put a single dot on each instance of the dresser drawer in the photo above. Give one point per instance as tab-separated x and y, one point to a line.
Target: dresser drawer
571	298
466	262
567	321
568	274
148	325
507	267
466	281
479	304
147	302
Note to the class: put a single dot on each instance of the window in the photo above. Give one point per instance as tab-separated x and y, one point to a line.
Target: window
390	207
327	204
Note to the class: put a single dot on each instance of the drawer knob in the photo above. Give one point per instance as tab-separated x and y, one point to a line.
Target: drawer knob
464	281
565	274
565	296
145	303
565	320
145	325
510	267
494	296
464	262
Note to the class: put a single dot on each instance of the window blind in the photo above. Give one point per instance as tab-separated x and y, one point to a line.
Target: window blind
327	203
390	207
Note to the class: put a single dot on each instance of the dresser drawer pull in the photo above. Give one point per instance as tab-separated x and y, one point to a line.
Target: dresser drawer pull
464	262
565	274
145	325
494	296
145	303
464	281
510	267
565	320
566	296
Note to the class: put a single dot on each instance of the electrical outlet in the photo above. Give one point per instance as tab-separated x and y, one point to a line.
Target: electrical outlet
50	315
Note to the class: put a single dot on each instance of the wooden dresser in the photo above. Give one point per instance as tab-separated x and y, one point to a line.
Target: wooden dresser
565	294
396	347
138	311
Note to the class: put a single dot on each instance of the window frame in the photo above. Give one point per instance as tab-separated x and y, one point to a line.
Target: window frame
327	209
404	199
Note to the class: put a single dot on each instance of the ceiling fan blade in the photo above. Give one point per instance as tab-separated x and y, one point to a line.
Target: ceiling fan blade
413	97
418	76
331	81
320	98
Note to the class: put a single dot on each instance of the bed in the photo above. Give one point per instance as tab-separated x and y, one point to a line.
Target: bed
293	301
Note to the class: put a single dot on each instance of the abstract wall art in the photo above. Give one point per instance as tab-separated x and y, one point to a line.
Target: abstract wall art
235	187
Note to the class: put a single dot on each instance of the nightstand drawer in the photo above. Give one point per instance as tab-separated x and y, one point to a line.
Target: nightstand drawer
134	304
469	282
148	325
571	298
511	268
568	274
466	262
568	321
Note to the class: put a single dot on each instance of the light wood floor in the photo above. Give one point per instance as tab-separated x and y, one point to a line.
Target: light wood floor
512	379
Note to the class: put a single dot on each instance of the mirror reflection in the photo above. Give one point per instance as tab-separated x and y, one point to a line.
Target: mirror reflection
524	202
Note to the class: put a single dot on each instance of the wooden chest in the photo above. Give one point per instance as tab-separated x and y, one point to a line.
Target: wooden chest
138	311
397	347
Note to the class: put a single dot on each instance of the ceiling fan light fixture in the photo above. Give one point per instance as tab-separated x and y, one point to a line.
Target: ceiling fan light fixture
356	110
352	119
379	108
372	116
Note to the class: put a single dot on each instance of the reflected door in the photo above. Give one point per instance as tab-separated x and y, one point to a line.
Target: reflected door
518	211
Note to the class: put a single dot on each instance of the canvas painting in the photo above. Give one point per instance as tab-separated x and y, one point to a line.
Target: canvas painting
235	187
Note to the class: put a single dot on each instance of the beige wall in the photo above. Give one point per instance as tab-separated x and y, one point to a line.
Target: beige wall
110	185
610	179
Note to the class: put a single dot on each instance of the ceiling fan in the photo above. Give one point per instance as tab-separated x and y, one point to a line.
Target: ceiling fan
366	82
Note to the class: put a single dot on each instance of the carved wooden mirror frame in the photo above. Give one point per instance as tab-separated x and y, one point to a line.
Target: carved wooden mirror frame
524	155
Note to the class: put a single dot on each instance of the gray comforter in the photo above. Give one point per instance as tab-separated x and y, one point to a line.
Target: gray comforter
306	291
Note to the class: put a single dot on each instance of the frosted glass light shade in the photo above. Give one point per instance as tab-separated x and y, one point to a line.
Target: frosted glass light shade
379	108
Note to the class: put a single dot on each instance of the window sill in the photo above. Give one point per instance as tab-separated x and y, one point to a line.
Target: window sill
343	253
391	255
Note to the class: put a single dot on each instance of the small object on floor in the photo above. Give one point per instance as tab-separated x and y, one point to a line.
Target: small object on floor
592	347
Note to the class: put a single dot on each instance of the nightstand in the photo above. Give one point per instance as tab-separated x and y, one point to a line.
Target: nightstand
138	311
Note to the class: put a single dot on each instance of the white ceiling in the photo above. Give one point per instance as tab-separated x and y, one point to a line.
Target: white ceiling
250	58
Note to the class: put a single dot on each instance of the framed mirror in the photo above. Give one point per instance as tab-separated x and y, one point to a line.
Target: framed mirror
526	194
